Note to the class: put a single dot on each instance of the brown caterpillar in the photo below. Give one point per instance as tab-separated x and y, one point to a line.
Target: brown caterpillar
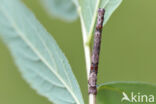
95	53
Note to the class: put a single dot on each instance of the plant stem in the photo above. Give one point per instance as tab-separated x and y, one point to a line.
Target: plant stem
85	45
92	90
92	71
88	58
92	99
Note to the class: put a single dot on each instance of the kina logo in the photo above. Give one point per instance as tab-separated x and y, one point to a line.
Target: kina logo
138	97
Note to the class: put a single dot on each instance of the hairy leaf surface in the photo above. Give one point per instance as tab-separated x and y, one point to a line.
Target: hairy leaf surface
37	55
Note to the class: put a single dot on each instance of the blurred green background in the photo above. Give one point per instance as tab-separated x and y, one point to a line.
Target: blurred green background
128	51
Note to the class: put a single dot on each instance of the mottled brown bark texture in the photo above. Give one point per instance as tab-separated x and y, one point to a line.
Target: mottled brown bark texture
95	53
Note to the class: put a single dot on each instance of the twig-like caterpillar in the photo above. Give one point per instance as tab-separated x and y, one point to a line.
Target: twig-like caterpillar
95	53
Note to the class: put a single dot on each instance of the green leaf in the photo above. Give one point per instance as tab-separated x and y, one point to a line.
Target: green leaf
88	12
62	9
37	55
117	92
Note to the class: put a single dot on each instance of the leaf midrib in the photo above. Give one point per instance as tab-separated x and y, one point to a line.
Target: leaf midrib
38	53
52	56
88	33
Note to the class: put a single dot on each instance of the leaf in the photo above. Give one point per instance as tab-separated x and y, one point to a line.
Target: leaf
62	9
88	12
37	55
122	93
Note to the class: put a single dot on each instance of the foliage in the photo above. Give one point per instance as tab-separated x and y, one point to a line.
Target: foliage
42	62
